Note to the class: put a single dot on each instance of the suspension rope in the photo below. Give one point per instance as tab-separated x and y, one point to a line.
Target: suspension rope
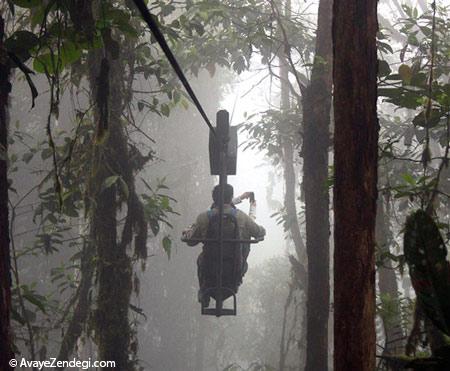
174	63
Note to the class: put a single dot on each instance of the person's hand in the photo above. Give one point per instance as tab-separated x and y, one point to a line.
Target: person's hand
186	234
245	195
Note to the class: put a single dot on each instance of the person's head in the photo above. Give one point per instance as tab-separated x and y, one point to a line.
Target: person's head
227	194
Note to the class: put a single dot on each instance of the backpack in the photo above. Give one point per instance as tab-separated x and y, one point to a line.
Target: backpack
232	255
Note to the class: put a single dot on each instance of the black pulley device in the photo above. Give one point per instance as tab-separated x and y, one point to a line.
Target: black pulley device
224	134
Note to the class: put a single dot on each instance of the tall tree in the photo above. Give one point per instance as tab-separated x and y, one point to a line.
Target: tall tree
290	199
355	189
316	120
5	278
114	269
388	286
289	155
288	145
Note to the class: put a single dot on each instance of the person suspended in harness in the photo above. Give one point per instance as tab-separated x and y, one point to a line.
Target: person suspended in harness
236	225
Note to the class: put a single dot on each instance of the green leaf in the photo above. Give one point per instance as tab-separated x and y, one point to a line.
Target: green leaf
29	315
385	47
38	16
176	96
383	68
167	246
167	9
419	80
26	71
20	43
239	64
46	153
17	317
412	40
44	62
71	211
408	178
27	157
52	218
70	53
127	29
37	300
165	202
388	92
401	98
422	121
108	182
165	110
154	226
405	73
199	28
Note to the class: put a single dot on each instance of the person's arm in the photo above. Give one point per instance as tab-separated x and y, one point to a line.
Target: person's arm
197	230
238	199
250	195
254	229
252	210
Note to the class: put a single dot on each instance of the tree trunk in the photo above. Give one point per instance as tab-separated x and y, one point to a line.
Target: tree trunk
5	276
387	284
81	311
114	283
316	118
284	345
355	189
290	179
114	271
290	197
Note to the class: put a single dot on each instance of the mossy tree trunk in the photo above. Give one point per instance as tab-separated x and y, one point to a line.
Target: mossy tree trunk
114	269
316	119
109	186
355	187
81	311
5	263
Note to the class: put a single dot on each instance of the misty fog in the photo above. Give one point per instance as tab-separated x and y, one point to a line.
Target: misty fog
109	167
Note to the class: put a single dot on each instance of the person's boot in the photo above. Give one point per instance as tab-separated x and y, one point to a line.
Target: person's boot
206	300
203	298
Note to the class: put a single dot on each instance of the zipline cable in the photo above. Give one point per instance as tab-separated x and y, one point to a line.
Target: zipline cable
174	63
